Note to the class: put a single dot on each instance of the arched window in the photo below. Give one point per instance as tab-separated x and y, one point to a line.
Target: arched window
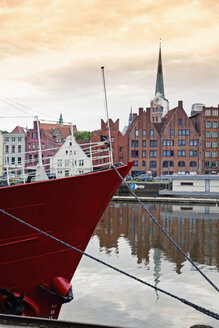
143	163
153	164
171	164
193	164
165	164
181	164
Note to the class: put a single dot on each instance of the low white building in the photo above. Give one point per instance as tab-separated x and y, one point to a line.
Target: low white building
71	159
193	186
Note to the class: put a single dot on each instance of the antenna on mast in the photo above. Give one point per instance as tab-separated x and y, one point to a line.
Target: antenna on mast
107	115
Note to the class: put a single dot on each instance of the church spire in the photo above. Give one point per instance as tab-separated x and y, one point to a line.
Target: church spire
159	82
60	120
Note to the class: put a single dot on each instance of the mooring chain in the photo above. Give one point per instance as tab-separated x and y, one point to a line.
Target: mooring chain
195	306
165	232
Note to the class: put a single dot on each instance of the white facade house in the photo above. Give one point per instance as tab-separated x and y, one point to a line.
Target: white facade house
14	152
71	159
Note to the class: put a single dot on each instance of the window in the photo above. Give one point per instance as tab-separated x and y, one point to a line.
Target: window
143	153
28	146
6	139
207	112
13	138
134	143
172	132
136	163
153	143
29	158
144	133
208	125
33	145
134	153
207	154
121	150
193	164
166	142
151	133
35	158
179	122
215	112
181	153
81	162
143	143
214	144
214	154
19	148
168	153
7	149
153	153
209	134
214	125
193	153
66	162
181	164
136	133
13	160
13	149
186	183
19	138
182	142
59	162
153	164
193	142
19	160
208	144
43	146
183	132
143	163
212	164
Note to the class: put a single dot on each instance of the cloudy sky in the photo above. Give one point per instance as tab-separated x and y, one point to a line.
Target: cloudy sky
51	52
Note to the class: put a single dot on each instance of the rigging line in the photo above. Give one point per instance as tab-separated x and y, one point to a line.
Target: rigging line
195	306
14	116
14	106
27	107
165	232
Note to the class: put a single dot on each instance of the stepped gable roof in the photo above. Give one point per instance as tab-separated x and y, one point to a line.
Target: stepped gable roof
18	129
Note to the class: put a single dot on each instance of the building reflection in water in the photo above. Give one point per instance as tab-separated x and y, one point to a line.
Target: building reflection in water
195	229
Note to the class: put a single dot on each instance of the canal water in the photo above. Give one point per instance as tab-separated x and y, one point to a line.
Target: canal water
127	239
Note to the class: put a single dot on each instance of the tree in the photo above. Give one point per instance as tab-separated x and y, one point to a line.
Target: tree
82	135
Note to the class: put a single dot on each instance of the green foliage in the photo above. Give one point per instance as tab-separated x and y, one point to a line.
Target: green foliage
82	135
3	131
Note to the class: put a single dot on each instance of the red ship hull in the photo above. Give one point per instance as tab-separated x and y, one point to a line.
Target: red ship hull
68	209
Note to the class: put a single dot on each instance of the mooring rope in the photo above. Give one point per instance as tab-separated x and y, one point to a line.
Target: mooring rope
193	305
165	232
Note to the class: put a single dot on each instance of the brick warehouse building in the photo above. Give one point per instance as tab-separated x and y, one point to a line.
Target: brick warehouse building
206	121
164	141
119	142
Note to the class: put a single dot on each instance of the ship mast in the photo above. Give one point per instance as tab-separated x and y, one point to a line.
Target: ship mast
107	115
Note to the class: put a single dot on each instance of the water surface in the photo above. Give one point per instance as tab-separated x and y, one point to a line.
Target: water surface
126	238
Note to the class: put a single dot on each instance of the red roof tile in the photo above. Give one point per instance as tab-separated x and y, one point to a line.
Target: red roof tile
18	129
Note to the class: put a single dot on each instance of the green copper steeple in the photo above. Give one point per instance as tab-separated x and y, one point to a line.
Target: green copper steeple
60	120
159	82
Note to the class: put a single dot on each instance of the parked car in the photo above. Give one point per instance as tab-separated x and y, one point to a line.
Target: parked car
143	177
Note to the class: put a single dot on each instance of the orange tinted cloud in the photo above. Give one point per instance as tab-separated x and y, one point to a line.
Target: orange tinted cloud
58	46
